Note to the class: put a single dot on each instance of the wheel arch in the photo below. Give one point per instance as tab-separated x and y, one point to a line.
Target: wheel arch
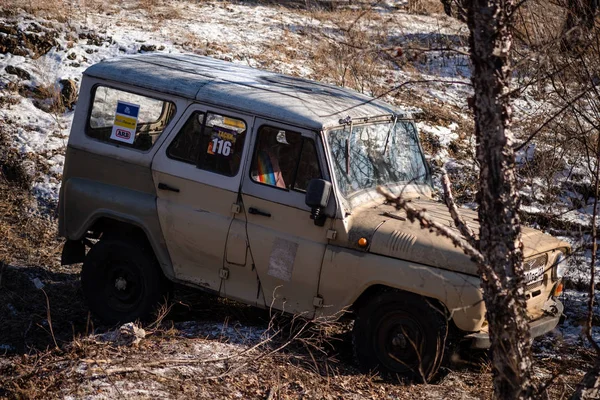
376	289
111	224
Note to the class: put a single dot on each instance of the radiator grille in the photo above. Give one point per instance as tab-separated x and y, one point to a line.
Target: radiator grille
535	268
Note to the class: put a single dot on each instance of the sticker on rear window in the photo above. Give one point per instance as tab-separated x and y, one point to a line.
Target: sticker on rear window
125	123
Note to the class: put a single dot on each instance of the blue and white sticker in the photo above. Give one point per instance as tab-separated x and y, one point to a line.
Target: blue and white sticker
125	123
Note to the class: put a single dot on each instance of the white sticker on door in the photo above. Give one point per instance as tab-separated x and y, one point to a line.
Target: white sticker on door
281	262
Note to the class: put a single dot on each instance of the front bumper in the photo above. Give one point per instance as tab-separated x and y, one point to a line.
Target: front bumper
553	310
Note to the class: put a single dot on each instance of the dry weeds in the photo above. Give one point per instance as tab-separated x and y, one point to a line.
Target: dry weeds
316	363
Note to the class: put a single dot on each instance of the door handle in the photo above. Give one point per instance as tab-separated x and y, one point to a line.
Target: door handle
256	211
164	186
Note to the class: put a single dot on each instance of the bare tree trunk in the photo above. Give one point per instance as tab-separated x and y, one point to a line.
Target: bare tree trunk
589	387
490	25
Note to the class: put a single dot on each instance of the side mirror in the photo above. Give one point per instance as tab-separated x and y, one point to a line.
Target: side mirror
317	197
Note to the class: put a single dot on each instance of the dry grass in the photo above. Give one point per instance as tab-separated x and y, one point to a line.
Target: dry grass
27	238
349	56
63	10
317	363
425	7
48	9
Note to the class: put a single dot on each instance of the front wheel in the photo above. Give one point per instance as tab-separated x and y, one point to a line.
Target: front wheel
401	334
121	281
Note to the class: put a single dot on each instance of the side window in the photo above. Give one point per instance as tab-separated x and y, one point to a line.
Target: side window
126	118
284	159
210	141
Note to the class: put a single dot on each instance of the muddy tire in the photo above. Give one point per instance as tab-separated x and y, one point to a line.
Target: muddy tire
400	334
122	281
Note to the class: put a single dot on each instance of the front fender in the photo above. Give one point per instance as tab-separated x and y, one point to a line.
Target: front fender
346	274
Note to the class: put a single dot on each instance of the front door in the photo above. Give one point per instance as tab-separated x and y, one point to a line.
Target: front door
287	248
197	174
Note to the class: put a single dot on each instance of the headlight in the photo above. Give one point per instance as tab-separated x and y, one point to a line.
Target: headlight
560	266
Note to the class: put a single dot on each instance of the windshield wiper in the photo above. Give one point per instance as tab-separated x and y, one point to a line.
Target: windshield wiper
387	138
348	150
347	156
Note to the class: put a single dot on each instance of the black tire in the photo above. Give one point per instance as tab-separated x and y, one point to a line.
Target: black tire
389	328
122	281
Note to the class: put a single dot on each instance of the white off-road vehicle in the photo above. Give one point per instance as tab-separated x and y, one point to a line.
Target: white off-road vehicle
262	188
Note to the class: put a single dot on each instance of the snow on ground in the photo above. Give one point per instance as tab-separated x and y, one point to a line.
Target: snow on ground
283	40
275	38
270	37
576	309
444	135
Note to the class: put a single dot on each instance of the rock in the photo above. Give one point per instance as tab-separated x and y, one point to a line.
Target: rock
12	169
68	93
128	335
31	40
150	47
94	39
20	72
72	56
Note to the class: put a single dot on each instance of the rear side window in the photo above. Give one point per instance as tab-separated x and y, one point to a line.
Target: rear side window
211	141
128	119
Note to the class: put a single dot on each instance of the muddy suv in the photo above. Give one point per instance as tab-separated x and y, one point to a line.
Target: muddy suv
262	188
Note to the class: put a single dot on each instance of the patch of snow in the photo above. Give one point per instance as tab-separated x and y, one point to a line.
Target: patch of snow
576	310
6	348
237	334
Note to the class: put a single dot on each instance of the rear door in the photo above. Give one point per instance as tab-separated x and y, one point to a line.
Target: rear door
286	246
197	174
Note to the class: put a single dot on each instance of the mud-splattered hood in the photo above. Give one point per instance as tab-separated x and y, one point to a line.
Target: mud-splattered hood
390	233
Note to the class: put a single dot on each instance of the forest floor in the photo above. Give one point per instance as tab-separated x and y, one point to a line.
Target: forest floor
206	347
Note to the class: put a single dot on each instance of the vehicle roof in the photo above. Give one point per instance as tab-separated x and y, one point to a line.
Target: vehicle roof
294	100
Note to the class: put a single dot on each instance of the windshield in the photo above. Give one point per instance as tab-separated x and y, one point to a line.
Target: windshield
382	154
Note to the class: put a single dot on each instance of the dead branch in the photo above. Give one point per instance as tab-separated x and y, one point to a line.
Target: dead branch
591	287
400	86
49	318
552	118
428	223
459	221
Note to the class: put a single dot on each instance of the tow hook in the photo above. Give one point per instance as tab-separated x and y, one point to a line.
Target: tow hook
550	308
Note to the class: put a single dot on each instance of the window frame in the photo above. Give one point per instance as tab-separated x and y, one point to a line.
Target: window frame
185	120
304	138
290	198
189	171
130	90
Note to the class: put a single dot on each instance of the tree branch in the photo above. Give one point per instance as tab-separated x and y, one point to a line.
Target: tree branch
459	221
552	118
398	87
427	222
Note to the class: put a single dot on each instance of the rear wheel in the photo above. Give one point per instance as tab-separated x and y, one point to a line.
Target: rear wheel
122	281
401	334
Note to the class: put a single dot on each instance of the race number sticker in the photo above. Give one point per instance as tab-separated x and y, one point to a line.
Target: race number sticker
222	141
125	122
